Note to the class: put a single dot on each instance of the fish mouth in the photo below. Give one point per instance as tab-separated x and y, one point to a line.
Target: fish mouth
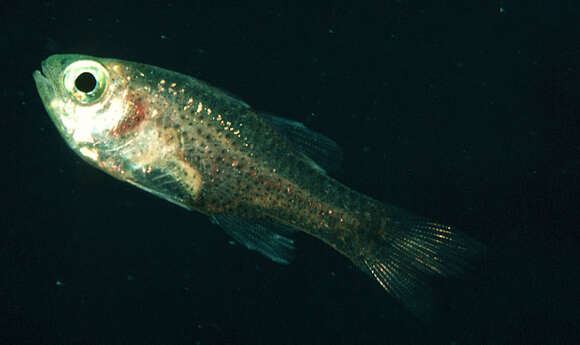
43	83
42	74
40	77
48	92
45	87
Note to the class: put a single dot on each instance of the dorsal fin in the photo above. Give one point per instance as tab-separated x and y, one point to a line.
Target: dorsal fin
318	148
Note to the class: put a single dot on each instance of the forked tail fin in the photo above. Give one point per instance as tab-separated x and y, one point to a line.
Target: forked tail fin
410	252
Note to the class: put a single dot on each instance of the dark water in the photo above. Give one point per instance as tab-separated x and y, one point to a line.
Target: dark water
465	113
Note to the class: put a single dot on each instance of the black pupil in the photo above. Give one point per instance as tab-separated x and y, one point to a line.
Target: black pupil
86	82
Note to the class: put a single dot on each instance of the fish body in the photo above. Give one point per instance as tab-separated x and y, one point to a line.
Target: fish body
258	176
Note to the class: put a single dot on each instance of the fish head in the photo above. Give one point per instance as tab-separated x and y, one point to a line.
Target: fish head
85	98
107	111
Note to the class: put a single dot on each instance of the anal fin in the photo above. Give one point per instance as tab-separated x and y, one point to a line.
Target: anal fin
271	240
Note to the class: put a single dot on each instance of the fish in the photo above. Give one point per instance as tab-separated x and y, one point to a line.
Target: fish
260	177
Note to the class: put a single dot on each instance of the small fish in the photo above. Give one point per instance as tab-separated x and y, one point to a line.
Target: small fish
259	177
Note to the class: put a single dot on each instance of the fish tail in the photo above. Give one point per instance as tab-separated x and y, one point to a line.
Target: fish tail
409	252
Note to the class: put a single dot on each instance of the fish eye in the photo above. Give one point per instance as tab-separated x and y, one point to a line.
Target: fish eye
86	81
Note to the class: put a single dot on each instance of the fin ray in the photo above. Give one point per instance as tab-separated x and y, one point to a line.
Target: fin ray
318	148
413	252
269	239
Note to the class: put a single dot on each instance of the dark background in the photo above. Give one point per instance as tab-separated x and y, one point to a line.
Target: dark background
462	111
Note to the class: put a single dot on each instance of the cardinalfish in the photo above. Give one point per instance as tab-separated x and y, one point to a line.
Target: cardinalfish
260	177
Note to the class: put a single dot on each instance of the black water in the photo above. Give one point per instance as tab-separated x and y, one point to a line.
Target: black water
465	112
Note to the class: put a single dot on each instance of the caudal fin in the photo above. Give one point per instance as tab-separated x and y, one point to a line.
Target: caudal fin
413	250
